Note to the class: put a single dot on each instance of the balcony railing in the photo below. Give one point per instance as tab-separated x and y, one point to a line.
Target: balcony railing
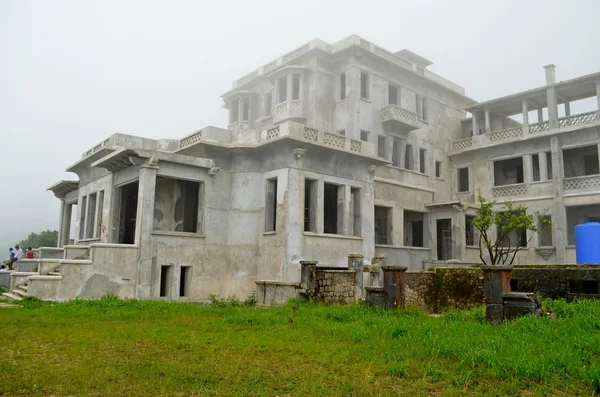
517	132
586	182
405	119
291	109
509	190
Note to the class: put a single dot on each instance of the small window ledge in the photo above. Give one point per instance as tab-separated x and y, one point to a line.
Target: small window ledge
176	234
327	235
270	233
89	240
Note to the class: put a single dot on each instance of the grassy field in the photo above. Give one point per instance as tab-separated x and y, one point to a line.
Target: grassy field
112	347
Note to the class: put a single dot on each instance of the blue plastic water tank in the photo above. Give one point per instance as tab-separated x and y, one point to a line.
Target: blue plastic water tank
587	243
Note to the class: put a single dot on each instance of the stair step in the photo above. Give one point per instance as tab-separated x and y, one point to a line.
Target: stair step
23	287
11	297
19	292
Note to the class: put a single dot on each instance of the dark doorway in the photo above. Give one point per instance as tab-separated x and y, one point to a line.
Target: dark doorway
444	239
128	213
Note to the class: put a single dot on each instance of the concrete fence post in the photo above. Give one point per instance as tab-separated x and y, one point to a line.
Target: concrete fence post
376	277
308	276
496	281
394	286
355	262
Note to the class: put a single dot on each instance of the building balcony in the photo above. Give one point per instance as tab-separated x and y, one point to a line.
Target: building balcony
289	110
581	183
399	119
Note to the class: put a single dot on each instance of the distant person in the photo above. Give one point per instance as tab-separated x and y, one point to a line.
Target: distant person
29	254
19	254
11	258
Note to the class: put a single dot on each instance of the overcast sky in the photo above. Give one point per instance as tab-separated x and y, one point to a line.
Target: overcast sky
74	72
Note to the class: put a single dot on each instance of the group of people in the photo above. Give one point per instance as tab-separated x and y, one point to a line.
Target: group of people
15	254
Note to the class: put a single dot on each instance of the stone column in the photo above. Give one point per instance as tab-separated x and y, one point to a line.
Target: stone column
61	225
320	206
540	115
567	109
394	286
474	124
525	117
527	168
148	270
551	96
378	261
416	158
488	124
401	153
389	148
347	214
543	166
367	215
598	97
308	276
355	262
353	101
559	224
294	225
496	280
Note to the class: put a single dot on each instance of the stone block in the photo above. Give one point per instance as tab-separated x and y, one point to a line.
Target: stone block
494	313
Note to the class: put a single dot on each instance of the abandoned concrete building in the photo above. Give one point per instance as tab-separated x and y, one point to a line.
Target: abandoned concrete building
330	149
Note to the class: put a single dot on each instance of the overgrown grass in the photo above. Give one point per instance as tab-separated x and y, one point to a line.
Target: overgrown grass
116	347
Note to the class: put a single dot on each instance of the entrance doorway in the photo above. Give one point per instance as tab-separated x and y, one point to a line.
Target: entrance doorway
128	213
444	239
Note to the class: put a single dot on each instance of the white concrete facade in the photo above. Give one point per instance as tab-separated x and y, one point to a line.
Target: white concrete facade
330	149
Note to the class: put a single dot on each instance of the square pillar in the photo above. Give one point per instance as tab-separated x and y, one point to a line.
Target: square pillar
474	121
598	95
543	166
540	115
148	268
527	168
320	206
61	224
294	227
416	158
353	102
559	225
389	148
488	124
344	201
525	117
567	109
551	96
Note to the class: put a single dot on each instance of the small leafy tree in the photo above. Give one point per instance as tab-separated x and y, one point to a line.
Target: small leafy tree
46	238
510	222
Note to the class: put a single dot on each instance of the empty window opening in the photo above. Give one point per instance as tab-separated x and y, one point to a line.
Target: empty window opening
341	132
295	86
165	280
508	172
82	218
342	86
355	218
364	85
268	103
176	205
99	220
184	281
127	213
89	217
396	153
444	239
408	157
469	230
578	215
392	95
583	287
381	146
463	179
333	208
271	206
364	135
581	161
422	108
70	223
414	229
246	109
535	165
310	205
234	109
549	165
545	235
438	169
422	161
383	225
282	89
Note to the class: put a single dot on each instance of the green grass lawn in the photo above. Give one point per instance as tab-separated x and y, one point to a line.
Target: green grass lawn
112	347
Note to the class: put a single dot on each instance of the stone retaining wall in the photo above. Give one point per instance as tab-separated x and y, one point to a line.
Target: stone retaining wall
335	286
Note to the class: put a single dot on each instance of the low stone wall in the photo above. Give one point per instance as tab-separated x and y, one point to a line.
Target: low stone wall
5	278
335	286
272	293
558	281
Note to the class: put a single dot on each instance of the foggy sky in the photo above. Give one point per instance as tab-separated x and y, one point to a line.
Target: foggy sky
74	72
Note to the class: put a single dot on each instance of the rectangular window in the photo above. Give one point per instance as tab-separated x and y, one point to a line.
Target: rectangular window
184	281
469	230
535	165
383	223
422	161
90	216
295	86
176	205
271	206
381	146
463	179
545	236
392	95
333	208
355	220
268	103
98	231
413	229
234	108
408	157
165	280
364	85
508	172
438	169
341	132
246	109
281	89
310	205
549	165
364	135
342	86
396	153
82	218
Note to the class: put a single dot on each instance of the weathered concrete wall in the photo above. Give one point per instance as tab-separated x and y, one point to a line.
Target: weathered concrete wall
335	286
270	293
557	281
